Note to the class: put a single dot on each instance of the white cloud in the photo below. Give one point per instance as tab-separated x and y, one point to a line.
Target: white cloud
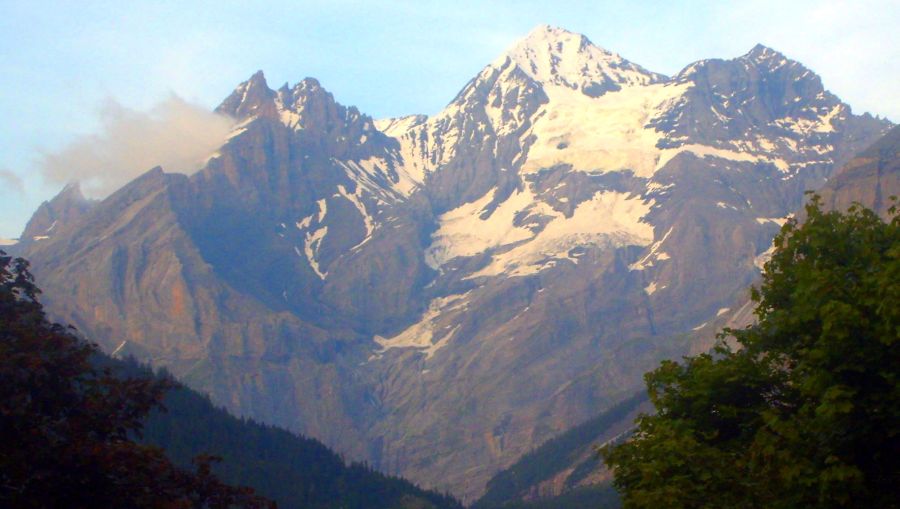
174	134
11	182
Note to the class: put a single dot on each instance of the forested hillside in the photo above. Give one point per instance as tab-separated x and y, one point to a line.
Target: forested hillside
295	471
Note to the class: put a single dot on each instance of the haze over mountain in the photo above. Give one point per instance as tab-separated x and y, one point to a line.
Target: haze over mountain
438	295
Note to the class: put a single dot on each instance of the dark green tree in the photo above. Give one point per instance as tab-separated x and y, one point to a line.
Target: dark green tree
66	426
801	409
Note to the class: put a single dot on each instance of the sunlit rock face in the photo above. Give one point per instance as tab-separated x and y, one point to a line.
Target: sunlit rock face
438	295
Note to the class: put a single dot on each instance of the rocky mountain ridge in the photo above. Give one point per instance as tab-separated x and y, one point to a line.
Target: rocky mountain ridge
437	295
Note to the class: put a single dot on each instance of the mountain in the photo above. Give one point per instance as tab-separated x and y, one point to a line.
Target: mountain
438	295
564	471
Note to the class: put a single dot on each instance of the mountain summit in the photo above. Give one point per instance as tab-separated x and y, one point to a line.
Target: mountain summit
56	214
252	97
554	56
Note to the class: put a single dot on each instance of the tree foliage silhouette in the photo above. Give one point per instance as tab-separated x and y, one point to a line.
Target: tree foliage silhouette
801	409
66	425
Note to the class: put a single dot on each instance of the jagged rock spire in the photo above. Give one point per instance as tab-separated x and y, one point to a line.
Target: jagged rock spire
251	97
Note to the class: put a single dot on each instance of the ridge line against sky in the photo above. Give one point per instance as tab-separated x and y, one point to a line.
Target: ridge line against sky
63	62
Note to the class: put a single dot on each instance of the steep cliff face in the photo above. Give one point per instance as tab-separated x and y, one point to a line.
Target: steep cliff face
437	295
137	283
872	178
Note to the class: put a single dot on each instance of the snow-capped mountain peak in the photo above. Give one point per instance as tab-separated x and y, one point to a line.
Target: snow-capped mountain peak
556	57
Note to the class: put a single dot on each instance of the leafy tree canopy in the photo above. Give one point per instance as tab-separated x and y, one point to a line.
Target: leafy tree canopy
801	409
66	425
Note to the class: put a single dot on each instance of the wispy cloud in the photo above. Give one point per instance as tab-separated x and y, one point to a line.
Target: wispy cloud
174	134
11	182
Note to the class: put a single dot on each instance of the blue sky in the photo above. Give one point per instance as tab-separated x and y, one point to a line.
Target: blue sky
62	63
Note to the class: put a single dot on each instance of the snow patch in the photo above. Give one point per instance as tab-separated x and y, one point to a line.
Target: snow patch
822	124
608	219
463	231
239	128
118	348
304	223
398	126
603	134
723	205
372	174
653	254
421	334
441	343
777	220
731	155
761	259
311	245
361	208
656	187
290	118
